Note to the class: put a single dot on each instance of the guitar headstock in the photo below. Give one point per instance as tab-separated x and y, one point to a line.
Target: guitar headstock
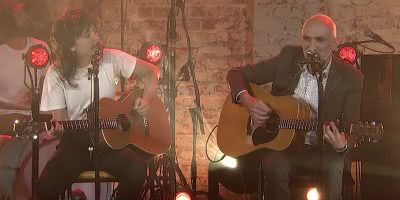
368	131
28	130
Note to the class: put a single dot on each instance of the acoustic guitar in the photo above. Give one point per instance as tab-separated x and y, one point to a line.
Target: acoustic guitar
290	116
120	125
7	122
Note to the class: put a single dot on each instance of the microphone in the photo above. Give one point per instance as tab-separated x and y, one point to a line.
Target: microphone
311	57
312	61
377	38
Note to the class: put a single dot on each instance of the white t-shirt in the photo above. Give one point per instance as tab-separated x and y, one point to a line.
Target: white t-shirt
58	94
13	91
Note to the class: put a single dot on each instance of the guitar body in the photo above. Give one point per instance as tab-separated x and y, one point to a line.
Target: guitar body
233	136
156	140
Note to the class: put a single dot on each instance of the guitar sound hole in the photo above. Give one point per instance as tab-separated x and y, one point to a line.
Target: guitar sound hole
268	132
124	122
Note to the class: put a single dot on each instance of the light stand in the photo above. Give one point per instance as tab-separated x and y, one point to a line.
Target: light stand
35	142
37	57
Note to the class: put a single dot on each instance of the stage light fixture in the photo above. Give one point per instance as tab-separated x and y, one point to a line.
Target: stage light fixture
151	52
37	56
348	53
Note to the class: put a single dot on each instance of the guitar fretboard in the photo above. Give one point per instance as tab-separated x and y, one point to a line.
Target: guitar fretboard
299	124
105	123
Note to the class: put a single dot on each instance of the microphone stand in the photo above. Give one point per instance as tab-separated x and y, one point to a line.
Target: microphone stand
172	90
94	124
315	67
320	135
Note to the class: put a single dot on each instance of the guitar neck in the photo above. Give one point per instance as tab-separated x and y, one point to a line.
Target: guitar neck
308	125
107	123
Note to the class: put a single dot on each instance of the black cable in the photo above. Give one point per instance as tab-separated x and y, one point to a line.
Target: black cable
374	50
208	138
190	64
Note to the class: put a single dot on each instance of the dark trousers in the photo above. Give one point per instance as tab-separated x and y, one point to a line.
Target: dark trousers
243	179
72	158
280	166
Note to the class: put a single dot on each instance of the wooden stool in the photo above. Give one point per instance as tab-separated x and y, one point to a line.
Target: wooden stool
89	177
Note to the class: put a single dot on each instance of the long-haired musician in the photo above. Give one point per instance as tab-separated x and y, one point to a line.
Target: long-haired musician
67	92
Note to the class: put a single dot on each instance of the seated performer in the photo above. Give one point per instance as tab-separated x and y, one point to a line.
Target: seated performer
67	92
342	85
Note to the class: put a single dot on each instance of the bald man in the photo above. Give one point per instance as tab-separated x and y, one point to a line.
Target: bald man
342	86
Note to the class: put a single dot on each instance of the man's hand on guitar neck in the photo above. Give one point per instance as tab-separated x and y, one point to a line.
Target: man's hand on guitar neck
334	137
257	109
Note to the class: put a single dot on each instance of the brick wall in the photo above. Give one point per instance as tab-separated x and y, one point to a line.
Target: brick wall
223	34
220	33
277	23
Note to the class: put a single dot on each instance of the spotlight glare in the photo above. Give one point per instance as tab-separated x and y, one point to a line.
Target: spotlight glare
313	194
182	196
229	162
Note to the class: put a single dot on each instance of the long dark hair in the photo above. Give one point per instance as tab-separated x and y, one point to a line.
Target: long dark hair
64	33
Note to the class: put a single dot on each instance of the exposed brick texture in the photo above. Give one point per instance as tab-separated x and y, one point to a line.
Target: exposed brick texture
225	34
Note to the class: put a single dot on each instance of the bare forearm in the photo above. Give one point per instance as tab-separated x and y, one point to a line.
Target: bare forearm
149	74
150	84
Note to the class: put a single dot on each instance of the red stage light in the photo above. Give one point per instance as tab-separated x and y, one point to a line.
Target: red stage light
38	56
348	54
153	53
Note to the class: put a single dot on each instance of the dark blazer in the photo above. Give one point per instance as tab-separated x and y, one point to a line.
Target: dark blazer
343	88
